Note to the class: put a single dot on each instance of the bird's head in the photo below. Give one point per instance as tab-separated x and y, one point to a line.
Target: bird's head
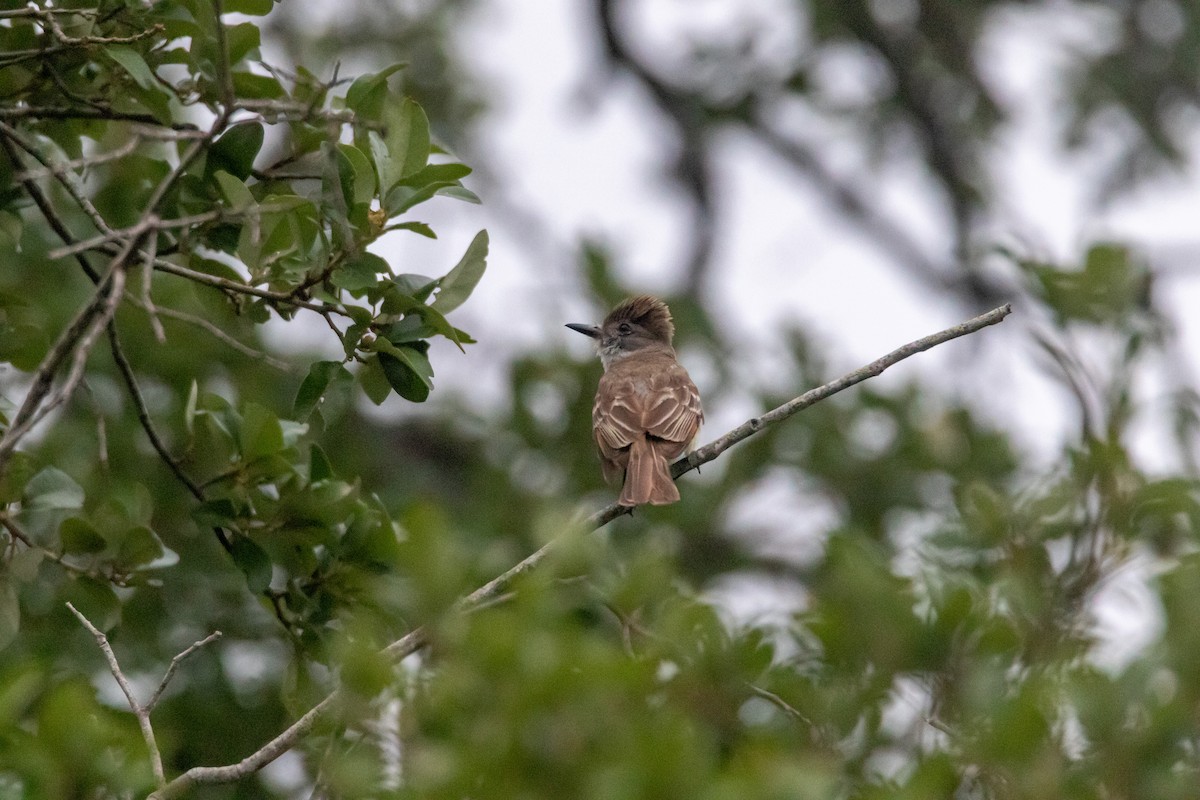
635	324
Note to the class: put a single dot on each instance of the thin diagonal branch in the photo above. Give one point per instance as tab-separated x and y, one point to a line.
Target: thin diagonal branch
752	426
143	414
76	344
175	662
142	712
139	711
419	637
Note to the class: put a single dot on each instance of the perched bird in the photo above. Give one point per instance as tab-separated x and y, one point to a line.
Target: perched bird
647	410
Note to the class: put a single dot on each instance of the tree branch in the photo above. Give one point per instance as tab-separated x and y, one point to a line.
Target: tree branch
419	637
142	712
75	343
751	426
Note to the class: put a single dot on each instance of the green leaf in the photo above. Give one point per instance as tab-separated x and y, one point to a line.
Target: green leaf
242	40
235	191
261	433
10	228
254	563
257	87
133	63
140	546
456	286
251	8
236	150
410	329
360	315
401	198
360	272
374	381
23	565
312	389
319	468
440	324
408	371
217	513
23	346
78	537
405	142
336	193
10	613
362	189
53	489
459	193
365	671
16	477
436	173
418	287
415	227
189	408
368	92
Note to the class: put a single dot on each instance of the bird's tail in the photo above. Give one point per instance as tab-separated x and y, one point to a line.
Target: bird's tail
647	477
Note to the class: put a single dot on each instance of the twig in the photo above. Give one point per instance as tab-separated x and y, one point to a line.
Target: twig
142	712
163	265
75	342
21	535
253	762
49	168
110	236
147	300
143	415
43	203
417	638
782	705
752	426
216	332
175	662
67	179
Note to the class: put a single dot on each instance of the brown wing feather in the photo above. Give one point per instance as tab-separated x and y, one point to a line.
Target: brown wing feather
629	404
673	412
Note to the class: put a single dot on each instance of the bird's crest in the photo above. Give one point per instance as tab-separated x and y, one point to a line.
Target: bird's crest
649	312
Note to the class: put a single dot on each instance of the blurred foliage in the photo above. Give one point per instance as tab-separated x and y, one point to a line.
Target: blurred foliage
946	642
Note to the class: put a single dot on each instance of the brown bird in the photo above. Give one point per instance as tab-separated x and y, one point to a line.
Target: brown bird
647	410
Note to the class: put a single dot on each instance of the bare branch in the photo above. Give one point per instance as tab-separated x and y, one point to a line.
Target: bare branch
253	762
21	535
782	705
143	415
752	426
417	638
75	342
142	713
175	662
244	288
216	332
67	179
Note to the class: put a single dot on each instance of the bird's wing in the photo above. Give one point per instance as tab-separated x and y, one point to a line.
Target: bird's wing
668	408
672	409
617	415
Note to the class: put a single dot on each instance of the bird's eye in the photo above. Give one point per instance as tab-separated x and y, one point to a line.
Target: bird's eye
624	329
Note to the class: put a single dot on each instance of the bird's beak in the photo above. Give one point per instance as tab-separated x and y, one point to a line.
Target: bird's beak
586	330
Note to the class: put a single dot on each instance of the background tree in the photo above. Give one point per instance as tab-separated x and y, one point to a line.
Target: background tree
182	454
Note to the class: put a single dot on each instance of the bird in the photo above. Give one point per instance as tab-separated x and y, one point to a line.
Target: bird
647	411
